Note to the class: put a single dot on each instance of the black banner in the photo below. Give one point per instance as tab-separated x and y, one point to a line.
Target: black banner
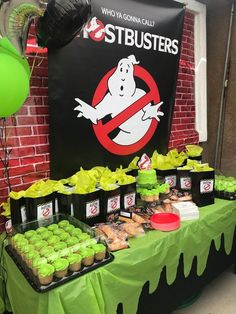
112	89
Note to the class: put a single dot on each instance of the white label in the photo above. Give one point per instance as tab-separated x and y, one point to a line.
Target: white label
206	186
171	180
113	203
44	210
23	214
185	183
129	200
125	214
8	226
92	208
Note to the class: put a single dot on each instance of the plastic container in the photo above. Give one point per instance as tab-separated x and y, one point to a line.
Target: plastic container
165	221
27	271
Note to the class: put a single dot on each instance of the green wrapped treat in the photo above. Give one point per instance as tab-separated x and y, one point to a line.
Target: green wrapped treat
29	234
54	239
63	223
41	230
65	252
45	274
53	227
27	248
59	246
58	231
46	235
21	244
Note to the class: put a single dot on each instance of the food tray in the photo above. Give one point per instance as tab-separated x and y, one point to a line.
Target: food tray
28	273
33	280
230	196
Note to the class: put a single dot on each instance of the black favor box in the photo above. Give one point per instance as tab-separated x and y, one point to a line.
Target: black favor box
169	176
203	187
111	203
127	195
42	207
19	212
184	182
87	207
64	203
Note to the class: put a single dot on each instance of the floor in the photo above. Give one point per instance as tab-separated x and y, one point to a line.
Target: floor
219	297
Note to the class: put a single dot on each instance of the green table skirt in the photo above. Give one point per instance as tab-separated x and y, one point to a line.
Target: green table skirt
100	291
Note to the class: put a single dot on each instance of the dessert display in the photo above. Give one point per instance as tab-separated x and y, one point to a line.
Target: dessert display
225	187
53	254
147	177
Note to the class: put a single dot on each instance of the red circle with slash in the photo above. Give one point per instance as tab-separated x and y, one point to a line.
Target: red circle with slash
92	34
46	212
102	130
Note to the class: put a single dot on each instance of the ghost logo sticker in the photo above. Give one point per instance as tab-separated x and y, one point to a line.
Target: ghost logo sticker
96	29
134	113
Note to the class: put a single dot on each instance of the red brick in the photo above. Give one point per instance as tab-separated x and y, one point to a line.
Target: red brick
23	151
41	129
42	167
36	81
40	71
42	149
32	160
23	111
45	82
38	110
33	140
33	120
21	170
45	100
14	162
34	177
39	91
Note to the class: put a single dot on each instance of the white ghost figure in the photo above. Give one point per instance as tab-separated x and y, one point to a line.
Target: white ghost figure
122	93
92	25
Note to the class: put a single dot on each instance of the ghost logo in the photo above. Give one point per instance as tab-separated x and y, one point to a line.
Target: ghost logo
128	106
96	29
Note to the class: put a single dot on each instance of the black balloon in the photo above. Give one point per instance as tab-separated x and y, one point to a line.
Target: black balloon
62	20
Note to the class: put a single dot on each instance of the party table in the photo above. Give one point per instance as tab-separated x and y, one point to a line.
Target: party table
122	281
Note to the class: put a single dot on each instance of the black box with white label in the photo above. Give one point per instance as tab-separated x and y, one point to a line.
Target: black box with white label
40	207
127	195
111	203
203	187
87	207
167	176
184	181
19	213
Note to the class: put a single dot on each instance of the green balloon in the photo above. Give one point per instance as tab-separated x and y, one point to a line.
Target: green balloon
14	83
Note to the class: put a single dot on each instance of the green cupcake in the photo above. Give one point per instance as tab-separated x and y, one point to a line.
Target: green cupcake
64	236
46	235
59	246
45	274
21	244
61	267
84	236
87	256
58	231
36	238
52	227
39	245
63	223
74	262
40	230
27	248
76	232
52	257
45	251
65	252
36	263
29	234
99	251
30	256
72	240
54	239
69	228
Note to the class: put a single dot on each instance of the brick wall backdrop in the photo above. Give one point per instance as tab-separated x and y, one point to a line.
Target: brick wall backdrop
29	138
